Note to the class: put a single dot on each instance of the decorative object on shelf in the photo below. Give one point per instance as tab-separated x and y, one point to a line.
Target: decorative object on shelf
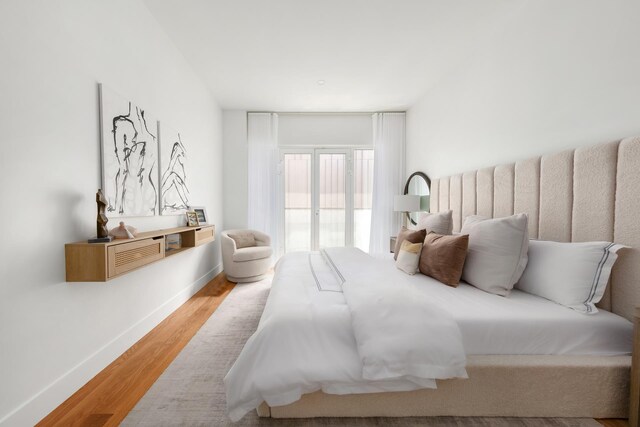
102	233
101	201
192	219
172	242
174	192
129	156
418	184
124	231
201	211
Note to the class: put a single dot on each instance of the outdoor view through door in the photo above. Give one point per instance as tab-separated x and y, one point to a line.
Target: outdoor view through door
327	198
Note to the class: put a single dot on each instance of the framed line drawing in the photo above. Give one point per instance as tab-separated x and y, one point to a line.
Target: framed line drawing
174	190
129	151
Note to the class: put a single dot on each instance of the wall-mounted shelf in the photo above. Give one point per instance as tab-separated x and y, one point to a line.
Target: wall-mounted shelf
100	262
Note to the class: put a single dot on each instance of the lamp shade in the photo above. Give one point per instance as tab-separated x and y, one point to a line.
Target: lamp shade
406	203
425	203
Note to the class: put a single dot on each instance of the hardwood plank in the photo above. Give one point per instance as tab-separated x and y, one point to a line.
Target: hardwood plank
97	420
107	398
613	422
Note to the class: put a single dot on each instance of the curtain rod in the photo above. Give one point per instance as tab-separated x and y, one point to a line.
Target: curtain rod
325	112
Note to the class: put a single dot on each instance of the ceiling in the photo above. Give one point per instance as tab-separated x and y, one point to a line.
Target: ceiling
373	55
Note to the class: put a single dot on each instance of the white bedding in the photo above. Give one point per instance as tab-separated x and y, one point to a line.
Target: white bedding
306	342
522	323
367	338
398	334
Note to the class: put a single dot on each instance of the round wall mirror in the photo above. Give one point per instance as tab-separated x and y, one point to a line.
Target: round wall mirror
418	184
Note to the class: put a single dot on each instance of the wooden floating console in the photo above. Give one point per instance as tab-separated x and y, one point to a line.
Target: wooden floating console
99	262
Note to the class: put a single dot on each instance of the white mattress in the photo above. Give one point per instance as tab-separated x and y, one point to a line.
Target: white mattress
523	323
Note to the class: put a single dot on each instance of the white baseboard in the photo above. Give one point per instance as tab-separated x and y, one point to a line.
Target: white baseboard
49	398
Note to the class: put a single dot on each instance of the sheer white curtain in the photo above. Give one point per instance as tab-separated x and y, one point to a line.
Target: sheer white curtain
388	177
262	139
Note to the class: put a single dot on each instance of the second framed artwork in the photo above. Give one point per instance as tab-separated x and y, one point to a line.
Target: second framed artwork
201	211
174	191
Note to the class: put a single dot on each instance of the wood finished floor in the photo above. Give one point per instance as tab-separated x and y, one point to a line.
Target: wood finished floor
614	422
109	396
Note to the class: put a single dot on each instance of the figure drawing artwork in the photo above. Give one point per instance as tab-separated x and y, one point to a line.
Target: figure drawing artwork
129	157
174	191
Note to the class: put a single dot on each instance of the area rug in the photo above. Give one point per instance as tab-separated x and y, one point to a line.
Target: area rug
191	392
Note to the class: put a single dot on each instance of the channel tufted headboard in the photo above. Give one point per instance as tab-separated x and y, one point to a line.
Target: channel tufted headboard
587	194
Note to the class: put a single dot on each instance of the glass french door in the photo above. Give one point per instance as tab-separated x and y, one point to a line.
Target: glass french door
296	183
327	197
332	223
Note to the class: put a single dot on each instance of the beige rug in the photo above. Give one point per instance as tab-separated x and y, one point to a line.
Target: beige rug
191	392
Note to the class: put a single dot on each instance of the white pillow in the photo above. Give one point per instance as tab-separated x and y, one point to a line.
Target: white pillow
572	274
438	222
497	252
408	257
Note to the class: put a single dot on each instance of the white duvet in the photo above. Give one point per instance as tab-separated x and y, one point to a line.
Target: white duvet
337	323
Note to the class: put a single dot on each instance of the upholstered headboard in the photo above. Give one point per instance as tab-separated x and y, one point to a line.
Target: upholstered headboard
587	194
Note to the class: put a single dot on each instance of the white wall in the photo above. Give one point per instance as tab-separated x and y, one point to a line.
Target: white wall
55	336
554	75
300	129
234	125
325	129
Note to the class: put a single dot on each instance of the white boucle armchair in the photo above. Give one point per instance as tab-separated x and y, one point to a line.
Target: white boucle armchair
249	263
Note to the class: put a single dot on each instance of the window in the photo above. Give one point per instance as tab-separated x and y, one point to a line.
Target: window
327	197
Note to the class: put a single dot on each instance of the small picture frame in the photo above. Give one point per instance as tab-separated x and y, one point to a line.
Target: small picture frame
201	211
192	219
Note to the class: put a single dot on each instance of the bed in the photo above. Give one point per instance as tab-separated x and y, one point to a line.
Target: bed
514	366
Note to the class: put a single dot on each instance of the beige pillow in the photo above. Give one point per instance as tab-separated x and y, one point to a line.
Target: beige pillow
413	236
408	257
497	252
243	239
443	257
438	222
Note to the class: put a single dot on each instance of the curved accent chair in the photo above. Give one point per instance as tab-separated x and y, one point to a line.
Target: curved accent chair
246	255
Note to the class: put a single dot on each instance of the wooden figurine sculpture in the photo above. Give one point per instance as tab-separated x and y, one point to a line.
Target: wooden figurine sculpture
102	202
124	231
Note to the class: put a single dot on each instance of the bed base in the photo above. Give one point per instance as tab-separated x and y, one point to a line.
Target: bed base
501	386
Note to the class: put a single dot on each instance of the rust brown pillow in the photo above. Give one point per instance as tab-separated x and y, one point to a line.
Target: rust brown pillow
443	257
413	236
